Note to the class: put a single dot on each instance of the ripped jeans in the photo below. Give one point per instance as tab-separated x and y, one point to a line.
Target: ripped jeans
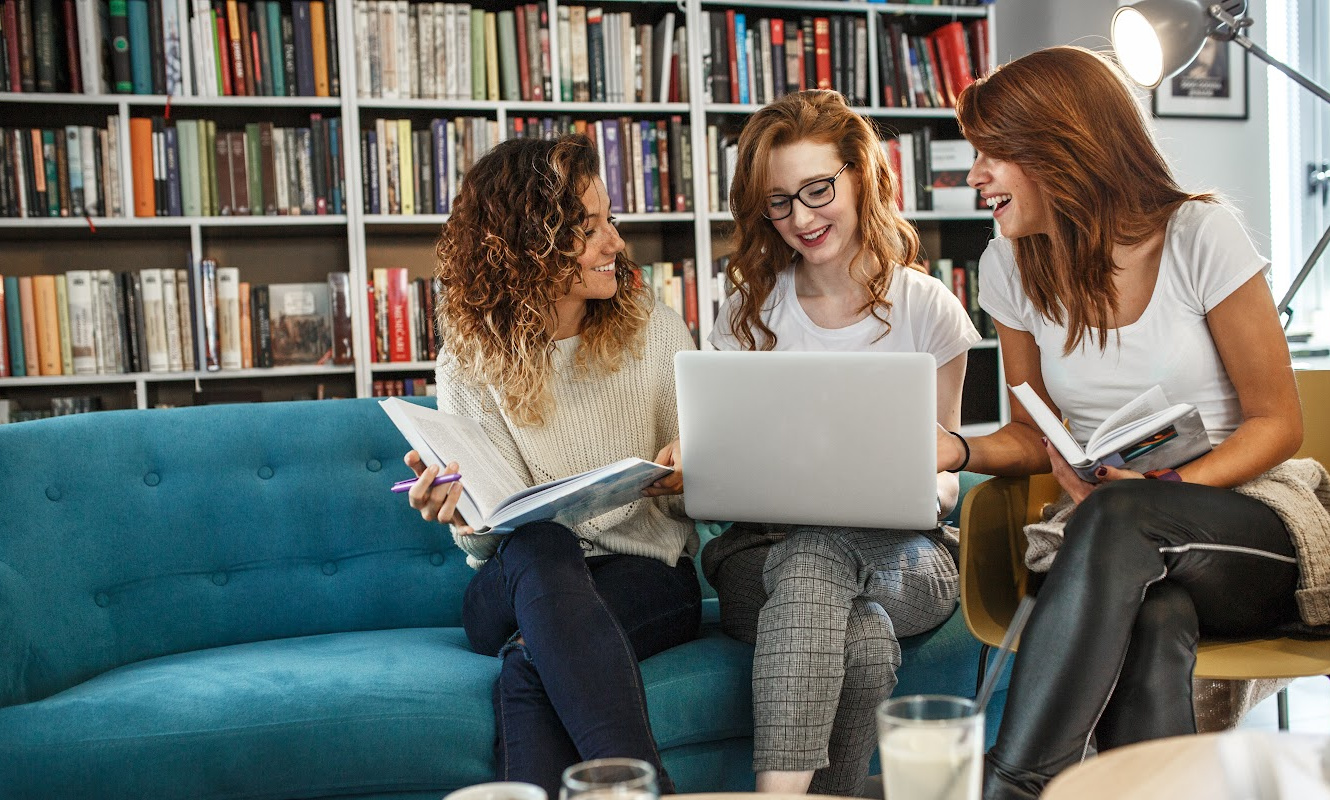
571	689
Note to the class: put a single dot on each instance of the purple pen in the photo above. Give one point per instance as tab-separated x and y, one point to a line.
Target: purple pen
405	486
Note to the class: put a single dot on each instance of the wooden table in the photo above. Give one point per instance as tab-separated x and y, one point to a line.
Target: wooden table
1203	766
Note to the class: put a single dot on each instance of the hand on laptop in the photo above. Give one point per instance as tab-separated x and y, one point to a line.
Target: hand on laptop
670	456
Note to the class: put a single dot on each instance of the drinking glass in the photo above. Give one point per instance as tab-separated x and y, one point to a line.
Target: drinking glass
610	779
931	747
499	790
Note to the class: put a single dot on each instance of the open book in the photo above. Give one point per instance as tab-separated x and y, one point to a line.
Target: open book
494	499
1143	435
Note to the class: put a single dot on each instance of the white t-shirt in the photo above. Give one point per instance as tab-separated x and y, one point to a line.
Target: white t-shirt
925	318
1207	255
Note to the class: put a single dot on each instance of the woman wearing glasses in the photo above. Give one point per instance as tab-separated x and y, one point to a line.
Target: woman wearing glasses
824	261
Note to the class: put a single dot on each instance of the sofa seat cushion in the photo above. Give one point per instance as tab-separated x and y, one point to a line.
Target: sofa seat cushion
360	714
347	713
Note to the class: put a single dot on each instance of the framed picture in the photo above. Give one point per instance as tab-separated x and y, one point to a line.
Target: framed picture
1214	86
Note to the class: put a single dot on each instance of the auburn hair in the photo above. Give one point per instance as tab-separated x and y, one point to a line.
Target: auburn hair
508	251
1067	117
821	117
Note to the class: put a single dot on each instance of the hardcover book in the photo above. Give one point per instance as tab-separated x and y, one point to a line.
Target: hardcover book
1145	434
299	324
494	499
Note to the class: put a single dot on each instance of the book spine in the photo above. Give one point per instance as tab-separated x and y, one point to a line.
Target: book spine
14	327
188	324
171	317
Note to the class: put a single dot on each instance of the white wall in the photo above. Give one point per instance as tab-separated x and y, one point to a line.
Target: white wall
1227	156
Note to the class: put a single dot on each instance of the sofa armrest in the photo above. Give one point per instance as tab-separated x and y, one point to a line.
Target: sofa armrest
17	610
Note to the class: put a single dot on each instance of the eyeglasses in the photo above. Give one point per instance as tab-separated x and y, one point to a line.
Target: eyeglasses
813	194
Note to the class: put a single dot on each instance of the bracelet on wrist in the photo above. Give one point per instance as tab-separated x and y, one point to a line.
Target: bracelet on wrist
965	461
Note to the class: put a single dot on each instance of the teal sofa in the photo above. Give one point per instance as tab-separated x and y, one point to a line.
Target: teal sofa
227	602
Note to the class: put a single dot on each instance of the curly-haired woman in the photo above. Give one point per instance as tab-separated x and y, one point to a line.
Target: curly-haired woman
824	261
567	364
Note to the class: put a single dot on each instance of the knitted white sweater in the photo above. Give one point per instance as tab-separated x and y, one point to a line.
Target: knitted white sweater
596	420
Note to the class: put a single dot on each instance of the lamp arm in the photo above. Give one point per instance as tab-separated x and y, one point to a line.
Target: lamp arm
1298	77
1232	28
1315	256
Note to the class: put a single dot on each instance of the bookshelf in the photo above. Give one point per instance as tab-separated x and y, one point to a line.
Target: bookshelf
369	236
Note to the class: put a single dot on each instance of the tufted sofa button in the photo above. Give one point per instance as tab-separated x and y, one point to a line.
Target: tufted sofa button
330	568
52	493
101	599
220	578
436	559
152	479
373	465
265	472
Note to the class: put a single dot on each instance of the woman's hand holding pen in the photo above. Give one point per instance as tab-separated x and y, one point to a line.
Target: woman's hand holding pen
671	456
436	502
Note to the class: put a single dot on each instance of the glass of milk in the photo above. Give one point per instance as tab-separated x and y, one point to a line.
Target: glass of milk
931	747
610	779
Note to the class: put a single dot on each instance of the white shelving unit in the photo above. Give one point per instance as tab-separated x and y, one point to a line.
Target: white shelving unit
365	234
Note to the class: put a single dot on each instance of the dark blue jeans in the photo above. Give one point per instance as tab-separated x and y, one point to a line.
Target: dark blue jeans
570	689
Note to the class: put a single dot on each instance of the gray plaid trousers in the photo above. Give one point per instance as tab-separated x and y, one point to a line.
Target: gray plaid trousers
824	607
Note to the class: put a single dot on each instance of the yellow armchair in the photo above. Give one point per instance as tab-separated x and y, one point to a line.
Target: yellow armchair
994	577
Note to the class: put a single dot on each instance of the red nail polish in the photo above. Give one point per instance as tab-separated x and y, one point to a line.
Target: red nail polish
1102	472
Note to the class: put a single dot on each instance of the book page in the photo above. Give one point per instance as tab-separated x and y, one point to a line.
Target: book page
574	500
1141	431
1048	422
1150	402
486	477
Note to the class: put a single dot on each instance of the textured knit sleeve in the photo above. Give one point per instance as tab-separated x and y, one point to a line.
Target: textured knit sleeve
456	396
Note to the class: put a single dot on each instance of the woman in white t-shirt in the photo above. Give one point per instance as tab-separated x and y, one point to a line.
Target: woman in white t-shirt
825	262
1110	279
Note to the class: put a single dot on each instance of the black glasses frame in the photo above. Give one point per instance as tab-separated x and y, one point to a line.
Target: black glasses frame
798	195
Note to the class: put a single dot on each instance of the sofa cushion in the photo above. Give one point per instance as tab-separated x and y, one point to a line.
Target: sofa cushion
313	716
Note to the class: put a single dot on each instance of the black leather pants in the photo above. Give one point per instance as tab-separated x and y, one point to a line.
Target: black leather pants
1107	657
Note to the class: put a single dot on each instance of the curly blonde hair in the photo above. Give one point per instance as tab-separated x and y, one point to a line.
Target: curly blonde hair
509	250
819	116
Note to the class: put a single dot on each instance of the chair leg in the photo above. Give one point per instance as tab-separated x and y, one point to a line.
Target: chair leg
983	668
1281	704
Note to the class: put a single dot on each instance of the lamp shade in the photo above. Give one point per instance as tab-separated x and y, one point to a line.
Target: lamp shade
1155	39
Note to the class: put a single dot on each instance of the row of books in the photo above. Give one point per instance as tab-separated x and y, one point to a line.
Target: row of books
57	407
751	60
453	51
756	60
963	280
406	171
100	322
930	70
190	168
60	172
646	164
402	387
402	316
203	48
675	285
930	173
260	47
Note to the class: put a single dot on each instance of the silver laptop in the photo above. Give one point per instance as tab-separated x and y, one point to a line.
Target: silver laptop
811	438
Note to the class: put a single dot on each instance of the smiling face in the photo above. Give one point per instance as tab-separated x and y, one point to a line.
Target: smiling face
597	279
1019	205
827	236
